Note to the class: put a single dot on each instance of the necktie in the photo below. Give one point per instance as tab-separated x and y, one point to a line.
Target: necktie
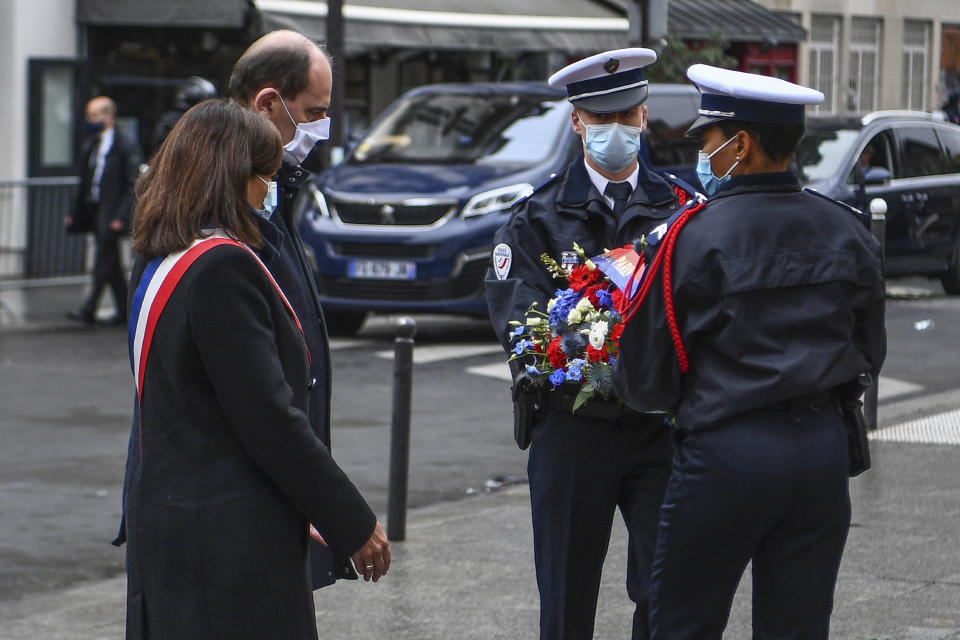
96	171
620	192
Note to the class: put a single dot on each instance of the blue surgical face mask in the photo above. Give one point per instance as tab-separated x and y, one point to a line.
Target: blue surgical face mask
269	200
612	146
708	179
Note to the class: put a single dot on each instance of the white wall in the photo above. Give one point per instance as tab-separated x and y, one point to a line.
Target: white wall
28	29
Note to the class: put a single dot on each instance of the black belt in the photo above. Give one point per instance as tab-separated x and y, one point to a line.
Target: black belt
595	408
817	401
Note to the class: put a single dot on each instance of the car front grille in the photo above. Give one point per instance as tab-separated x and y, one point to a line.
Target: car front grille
390	214
382	250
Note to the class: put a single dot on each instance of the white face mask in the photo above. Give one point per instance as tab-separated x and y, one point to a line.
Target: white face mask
305	137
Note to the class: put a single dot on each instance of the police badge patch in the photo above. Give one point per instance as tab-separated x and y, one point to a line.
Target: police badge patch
569	260
502	259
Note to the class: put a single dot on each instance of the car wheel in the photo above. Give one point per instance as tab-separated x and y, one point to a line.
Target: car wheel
951	277
344	323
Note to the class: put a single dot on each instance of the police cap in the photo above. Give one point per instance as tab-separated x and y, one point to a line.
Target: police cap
607	82
747	97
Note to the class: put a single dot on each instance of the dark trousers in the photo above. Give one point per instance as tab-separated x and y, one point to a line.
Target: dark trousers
581	470
107	271
757	487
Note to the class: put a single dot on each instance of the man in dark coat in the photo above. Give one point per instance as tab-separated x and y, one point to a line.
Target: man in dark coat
584	465
772	310
109	167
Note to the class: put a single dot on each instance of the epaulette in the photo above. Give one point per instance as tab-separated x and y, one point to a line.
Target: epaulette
684	191
843	205
516	205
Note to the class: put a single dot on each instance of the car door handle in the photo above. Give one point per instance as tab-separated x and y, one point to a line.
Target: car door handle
921	197
906	197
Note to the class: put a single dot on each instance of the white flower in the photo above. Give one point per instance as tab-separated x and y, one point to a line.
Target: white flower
598	334
574	316
534	321
584	305
551	304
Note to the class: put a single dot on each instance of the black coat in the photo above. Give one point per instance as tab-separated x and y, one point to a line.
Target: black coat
120	172
231	472
778	293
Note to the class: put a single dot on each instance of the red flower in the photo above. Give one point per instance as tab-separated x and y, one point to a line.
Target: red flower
581	277
614	337
591	293
619	300
596	355
555	353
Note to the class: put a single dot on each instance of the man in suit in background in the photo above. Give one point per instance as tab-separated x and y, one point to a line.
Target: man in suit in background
108	169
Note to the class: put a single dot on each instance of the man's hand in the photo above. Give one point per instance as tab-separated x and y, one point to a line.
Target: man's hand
373	559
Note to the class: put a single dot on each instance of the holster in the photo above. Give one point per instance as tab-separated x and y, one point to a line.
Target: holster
527	403
851	409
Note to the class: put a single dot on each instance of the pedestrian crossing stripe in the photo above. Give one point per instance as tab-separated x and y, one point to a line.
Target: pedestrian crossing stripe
940	428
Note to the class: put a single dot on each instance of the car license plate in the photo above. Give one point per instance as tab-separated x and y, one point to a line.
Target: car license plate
382	269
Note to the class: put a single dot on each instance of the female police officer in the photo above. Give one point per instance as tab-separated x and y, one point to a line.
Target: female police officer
775	297
583	466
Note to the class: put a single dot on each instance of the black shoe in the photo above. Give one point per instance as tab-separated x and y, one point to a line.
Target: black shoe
81	316
118	320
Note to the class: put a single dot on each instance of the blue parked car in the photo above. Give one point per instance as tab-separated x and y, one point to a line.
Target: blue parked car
406	222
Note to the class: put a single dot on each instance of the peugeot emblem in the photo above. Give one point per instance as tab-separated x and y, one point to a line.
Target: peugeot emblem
386	214
611	65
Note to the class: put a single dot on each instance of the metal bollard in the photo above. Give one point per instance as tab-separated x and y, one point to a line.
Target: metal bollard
400	429
878	227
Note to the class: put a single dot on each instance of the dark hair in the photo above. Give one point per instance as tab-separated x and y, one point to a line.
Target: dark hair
283	66
198	178
776	140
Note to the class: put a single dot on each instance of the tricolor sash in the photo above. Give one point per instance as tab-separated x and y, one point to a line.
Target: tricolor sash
159	279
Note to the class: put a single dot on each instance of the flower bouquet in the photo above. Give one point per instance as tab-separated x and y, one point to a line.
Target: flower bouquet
575	340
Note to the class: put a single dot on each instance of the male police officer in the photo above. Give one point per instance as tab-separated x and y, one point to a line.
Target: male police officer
777	309
584	465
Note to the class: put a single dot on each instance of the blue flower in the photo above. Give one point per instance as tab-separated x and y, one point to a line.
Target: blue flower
604	299
521	346
532	370
519	331
574	369
557	377
566	299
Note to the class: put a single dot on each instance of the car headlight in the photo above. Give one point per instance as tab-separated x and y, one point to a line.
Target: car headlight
496	200
319	210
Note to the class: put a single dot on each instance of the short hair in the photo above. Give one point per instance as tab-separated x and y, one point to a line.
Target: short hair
776	139
198	178
285	66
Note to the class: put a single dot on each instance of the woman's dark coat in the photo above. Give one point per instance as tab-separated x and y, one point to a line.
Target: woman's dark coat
231	472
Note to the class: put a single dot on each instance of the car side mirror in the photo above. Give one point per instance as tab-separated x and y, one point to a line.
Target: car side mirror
877	175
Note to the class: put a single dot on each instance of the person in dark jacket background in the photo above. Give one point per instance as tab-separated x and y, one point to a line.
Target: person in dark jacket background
774	307
110	163
231	475
585	465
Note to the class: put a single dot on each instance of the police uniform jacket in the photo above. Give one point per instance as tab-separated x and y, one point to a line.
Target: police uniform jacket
565	210
778	293
120	171
231	470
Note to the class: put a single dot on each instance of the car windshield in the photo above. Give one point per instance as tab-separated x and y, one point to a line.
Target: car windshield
822	151
492	128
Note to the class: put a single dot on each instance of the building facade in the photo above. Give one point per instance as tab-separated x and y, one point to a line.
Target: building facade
867	55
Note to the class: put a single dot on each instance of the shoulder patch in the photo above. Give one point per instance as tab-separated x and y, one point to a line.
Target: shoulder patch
502	260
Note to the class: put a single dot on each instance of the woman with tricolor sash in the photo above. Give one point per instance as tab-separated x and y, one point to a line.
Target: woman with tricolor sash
230	476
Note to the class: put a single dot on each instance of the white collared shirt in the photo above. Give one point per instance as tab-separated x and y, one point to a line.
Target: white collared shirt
600	182
106	143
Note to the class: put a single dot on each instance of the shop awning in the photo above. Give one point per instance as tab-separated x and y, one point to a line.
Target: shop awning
220	14
737	20
505	25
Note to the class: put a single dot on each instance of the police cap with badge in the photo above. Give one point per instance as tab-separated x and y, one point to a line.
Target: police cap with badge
727	95
607	82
